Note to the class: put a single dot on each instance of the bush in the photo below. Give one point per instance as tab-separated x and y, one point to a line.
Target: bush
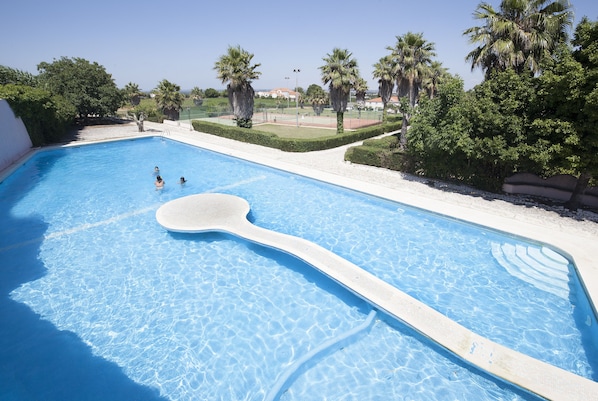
292	144
383	152
47	117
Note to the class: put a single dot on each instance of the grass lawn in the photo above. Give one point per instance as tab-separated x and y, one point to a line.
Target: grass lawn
291	131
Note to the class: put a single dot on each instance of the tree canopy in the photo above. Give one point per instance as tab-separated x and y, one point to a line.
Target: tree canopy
519	36
235	69
169	99
17	77
410	57
516	122
87	86
46	116
383	71
317	97
340	73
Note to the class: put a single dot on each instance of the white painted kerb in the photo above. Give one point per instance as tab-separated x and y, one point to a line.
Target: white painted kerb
228	213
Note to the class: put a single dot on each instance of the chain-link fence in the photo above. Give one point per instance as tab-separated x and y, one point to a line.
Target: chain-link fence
352	119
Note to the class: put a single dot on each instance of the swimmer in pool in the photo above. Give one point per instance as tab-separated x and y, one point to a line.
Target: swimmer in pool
159	182
183	180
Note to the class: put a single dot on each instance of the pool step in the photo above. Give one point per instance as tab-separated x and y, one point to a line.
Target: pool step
540	267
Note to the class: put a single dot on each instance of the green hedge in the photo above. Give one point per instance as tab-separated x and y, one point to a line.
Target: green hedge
381	152
47	117
290	144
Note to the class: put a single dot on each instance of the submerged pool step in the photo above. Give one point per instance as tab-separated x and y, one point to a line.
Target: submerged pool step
292	371
541	268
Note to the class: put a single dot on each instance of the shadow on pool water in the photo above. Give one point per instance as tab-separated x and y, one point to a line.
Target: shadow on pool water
38	361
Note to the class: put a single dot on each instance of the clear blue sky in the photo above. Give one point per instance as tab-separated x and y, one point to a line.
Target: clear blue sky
147	41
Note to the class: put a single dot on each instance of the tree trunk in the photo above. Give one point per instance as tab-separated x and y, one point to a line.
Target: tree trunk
403	139
139	121
582	183
339	122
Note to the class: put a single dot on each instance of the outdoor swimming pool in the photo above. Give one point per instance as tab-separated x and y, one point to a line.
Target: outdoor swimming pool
92	277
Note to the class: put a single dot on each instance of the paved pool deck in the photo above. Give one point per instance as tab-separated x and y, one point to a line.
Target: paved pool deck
575	236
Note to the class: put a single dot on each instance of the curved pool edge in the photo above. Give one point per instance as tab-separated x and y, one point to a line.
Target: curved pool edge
227	213
565	240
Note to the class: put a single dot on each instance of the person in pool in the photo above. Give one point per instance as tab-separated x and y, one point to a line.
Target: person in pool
183	180
159	182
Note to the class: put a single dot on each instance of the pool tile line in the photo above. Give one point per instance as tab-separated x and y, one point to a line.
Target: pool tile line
290	373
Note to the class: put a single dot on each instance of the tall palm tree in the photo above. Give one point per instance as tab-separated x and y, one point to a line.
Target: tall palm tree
197	96
383	71
340	72
436	74
411	57
132	93
519	35
317	97
235	69
169	99
361	88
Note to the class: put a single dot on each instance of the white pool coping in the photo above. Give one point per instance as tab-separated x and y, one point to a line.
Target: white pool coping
536	376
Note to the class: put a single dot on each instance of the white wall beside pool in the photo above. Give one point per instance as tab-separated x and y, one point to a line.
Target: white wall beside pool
13	136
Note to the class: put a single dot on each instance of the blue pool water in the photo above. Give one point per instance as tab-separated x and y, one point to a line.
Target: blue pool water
105	304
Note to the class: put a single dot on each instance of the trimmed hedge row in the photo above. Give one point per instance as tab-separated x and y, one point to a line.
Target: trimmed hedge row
290	144
381	152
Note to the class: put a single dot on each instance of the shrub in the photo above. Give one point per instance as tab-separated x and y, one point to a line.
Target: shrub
292	144
382	152
47	117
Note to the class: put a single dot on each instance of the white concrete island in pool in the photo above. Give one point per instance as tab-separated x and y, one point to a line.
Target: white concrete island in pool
228	213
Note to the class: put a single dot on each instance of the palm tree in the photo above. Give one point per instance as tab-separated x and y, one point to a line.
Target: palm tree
436	74
235	68
169	99
317	97
340	73
518	36
411	58
197	96
132	93
361	88
383	70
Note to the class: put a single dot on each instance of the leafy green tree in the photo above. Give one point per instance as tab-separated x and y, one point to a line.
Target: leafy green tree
211	93
568	90
12	76
169	99
87	86
440	143
519	36
235	69
482	136
46	117
132	93
317	97
411	57
340	72
383	71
